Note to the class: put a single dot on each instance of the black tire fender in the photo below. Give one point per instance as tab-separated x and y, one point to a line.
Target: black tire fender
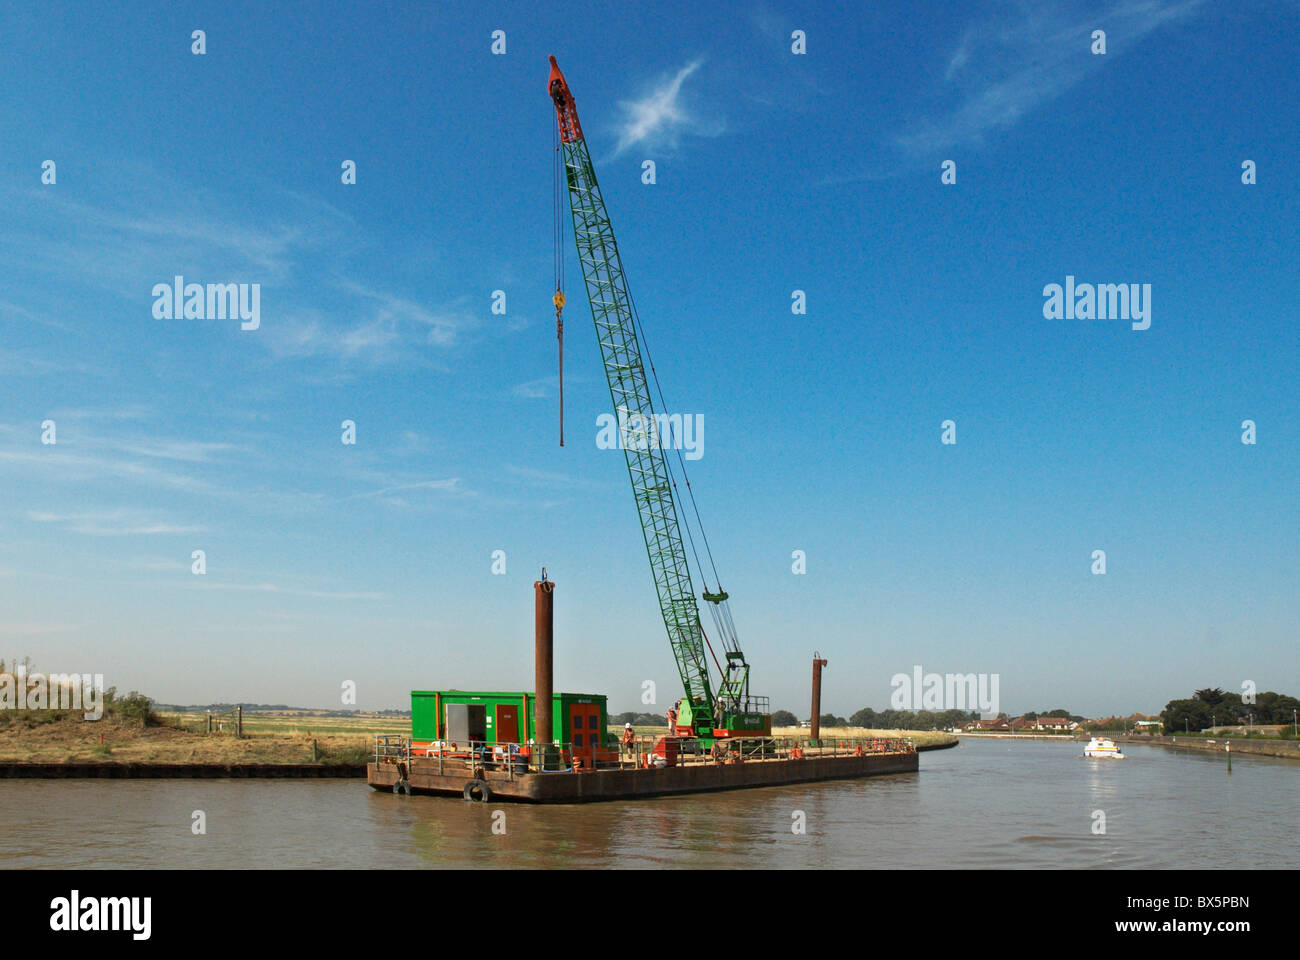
483	790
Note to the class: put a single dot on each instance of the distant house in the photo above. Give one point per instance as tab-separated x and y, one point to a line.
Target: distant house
981	725
1053	723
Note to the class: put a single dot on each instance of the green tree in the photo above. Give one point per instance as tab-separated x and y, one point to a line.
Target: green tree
784	718
866	717
1182	716
1210	696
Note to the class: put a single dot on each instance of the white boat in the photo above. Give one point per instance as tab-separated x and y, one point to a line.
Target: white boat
1102	747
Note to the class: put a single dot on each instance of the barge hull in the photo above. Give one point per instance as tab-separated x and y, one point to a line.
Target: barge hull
630	784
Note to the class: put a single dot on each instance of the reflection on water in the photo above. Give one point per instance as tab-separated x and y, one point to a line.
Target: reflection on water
983	804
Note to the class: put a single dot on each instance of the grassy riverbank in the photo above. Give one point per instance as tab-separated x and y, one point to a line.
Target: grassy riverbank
922	738
1241	746
287	738
43	737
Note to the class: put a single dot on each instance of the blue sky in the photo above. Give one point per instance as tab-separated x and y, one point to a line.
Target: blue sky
775	172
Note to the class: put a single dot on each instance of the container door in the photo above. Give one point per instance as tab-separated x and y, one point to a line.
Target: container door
457	726
477	716
507	723
584	721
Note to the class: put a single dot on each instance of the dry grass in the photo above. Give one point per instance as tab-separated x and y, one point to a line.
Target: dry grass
267	739
919	737
306	724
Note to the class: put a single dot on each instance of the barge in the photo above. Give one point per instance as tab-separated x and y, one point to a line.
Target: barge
646	767
551	747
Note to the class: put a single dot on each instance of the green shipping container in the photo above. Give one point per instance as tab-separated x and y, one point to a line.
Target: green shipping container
471	715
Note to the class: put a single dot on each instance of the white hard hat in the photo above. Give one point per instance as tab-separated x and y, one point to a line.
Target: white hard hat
628	726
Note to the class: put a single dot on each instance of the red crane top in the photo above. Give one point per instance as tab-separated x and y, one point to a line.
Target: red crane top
566	111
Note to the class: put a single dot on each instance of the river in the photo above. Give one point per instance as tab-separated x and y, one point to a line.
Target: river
985	804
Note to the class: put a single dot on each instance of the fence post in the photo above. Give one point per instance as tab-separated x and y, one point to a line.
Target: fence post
239	722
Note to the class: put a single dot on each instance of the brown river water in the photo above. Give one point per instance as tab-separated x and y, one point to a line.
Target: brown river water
985	804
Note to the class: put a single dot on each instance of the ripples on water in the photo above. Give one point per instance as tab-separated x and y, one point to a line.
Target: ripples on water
984	804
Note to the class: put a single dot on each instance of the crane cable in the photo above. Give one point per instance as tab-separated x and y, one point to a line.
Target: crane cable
558	199
721	617
720	610
636	318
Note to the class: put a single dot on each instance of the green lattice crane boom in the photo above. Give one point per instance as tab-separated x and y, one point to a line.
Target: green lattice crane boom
706	709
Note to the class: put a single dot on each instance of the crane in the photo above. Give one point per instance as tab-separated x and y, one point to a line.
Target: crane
709	709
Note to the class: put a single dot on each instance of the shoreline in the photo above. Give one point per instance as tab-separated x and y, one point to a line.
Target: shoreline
921	748
180	771
134	770
1281	749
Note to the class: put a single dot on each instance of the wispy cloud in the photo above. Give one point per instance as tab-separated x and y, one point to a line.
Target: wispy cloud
1028	57
113	250
436	327
550	478
661	117
310	335
113	523
19	363
290	591
960	56
537	389
83	455
297	247
160	564
130	411
386	493
54	462
189	451
390	328
16	314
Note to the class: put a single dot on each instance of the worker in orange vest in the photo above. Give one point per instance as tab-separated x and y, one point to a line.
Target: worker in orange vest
629	738
672	719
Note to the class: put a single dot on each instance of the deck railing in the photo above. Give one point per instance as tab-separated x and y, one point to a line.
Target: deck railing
392	747
515	759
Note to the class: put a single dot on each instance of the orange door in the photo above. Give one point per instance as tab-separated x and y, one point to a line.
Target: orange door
584	722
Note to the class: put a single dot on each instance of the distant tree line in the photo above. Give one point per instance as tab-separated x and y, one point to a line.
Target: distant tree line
1062	713
1215	707
886	719
639	719
273	708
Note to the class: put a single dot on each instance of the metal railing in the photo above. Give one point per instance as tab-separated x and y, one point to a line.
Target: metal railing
516	759
747	704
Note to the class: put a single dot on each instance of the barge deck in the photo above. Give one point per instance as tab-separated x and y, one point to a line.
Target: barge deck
634	774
